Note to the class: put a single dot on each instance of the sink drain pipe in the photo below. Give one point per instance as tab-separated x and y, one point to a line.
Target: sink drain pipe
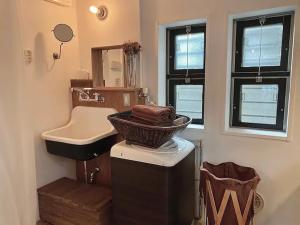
85	172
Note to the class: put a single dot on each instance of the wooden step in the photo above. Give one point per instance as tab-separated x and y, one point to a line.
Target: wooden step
69	202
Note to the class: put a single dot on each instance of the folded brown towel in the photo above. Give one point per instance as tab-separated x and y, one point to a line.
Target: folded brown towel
156	115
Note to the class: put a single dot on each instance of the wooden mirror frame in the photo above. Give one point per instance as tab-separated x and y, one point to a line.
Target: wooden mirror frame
97	68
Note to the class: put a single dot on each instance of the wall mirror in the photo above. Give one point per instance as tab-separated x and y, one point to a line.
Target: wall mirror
113	68
63	33
116	66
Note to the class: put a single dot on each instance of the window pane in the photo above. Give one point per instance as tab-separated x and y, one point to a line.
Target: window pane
189	100
195	45
262	46
259	103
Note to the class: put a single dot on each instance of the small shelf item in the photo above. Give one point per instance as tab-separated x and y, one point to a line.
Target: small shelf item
143	134
131	57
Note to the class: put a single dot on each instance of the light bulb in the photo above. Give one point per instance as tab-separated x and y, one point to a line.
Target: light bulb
94	9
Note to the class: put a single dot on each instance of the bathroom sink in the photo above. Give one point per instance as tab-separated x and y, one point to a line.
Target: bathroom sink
86	136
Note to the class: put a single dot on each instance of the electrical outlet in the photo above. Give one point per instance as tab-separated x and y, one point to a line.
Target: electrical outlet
126	99
27	56
61	2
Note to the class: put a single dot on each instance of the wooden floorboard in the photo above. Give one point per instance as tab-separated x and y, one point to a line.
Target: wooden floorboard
42	223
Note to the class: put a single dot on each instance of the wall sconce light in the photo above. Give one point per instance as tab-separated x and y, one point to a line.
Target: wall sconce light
101	12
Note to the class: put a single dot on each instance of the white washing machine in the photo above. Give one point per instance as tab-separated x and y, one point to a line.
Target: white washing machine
153	186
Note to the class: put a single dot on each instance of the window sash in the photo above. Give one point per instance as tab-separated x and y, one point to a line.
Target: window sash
171	95
263	74
172	33
285	49
281	103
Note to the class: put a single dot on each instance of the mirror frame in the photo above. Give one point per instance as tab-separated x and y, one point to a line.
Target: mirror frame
97	68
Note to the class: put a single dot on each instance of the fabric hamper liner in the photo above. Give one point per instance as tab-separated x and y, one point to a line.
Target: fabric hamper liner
228	191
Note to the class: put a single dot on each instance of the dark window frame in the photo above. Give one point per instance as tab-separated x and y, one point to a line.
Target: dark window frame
172	33
281	107
171	93
268	74
285	48
178	77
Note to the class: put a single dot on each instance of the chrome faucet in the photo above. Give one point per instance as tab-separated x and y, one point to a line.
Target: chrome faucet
84	95
98	97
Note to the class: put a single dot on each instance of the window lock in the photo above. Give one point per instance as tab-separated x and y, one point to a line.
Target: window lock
187	80
259	79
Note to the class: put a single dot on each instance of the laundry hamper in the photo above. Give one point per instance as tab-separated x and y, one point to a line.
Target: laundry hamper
228	191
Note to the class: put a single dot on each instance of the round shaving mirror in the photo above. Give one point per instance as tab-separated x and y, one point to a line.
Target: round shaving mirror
62	33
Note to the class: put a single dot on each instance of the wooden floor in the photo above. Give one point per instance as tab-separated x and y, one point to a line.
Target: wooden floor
41	223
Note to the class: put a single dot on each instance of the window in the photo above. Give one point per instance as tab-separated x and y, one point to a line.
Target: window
261	72
186	70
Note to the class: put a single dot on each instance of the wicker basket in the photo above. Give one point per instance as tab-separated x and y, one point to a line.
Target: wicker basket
143	134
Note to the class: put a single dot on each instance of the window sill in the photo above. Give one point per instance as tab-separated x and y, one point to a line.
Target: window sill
255	133
193	132
195	127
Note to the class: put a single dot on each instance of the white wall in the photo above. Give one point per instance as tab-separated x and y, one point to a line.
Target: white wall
121	25
278	162
34	98
47	94
17	191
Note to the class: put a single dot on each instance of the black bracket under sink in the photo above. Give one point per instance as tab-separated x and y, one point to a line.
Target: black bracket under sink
81	152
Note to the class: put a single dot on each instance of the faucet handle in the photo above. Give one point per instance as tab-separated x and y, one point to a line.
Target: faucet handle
83	96
98	97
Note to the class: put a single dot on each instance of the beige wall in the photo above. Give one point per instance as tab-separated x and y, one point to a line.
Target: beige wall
121	25
47	83
17	194
34	98
278	162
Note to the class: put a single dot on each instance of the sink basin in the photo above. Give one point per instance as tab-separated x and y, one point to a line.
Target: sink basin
86	136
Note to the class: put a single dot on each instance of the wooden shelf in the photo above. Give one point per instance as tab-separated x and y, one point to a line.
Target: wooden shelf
115	89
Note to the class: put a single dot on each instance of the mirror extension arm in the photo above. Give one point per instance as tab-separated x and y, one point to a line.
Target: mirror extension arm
58	55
